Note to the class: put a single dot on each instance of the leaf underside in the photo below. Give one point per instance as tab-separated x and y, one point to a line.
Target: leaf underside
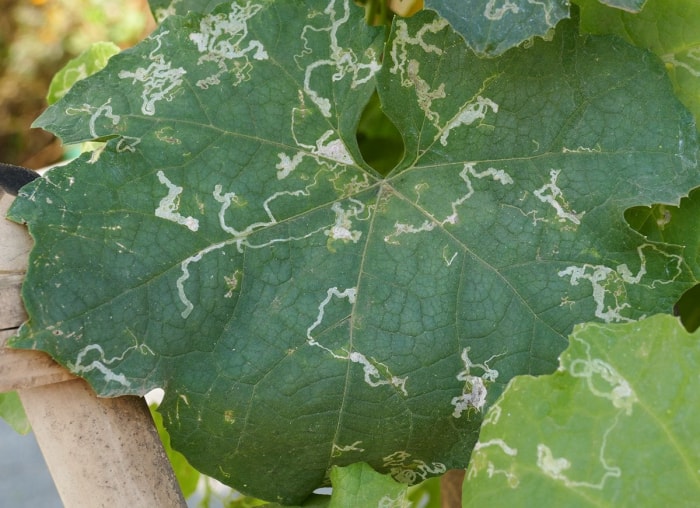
302	311
491	27
625	5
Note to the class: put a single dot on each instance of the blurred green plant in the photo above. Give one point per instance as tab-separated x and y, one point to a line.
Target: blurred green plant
37	37
12	412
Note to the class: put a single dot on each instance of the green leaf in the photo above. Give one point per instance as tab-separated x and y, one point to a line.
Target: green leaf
670	29
302	310
12	411
187	476
313	501
492	27
427	494
86	64
625	5
616	425
360	485
677	225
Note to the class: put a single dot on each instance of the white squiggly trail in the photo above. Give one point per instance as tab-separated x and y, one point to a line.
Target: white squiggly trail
101	364
405	229
555	468
498	175
328	151
599	374
405	469
609	284
474	392
160	80
479	456
496	13
125	143
467	173
342	229
552	195
338	450
408	70
343	60
373	377
167	208
95	113
184	267
221	40
474	110
604	381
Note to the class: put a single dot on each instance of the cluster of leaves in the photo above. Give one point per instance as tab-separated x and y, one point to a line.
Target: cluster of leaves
309	315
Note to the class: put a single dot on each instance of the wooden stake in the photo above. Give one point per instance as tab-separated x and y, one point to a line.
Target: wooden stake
100	452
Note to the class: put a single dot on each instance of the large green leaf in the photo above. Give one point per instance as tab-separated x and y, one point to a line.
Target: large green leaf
300	309
670	29
617	425
491	27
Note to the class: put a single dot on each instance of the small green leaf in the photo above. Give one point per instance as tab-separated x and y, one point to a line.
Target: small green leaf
670	29
427	494
12	411
313	501
616	425
492	27
673	225
86	64
187	476
360	485
676	225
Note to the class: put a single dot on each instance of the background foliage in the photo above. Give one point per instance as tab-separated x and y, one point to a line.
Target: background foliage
37	37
